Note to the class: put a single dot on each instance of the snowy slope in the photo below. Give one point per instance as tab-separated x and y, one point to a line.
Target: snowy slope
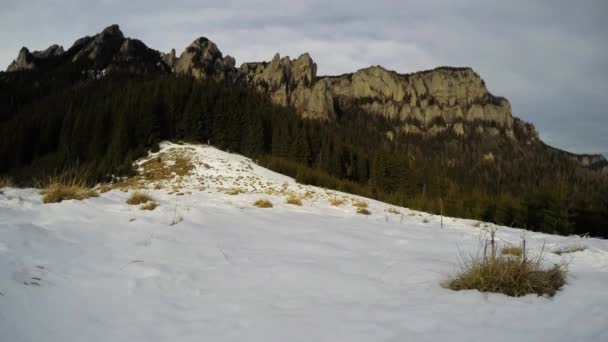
101	270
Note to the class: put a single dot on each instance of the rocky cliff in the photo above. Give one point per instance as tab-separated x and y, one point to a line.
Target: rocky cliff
445	100
94	56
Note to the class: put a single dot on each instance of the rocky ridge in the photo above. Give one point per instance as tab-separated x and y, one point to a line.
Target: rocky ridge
445	100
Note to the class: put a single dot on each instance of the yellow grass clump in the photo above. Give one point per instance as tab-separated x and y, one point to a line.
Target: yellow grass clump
60	189
292	199
513	276
363	211
335	201
151	205
138	197
360	204
262	203
234	191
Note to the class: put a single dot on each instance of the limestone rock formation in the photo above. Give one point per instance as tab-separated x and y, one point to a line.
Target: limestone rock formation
203	60
170	59
24	61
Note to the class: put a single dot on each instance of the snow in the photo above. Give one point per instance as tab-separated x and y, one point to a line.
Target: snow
101	270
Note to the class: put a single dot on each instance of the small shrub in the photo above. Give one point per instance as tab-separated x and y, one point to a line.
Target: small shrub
151	205
363	211
360	204
138	197
262	203
511	276
6	182
425	221
569	249
58	189
512	250
335	201
392	210
294	200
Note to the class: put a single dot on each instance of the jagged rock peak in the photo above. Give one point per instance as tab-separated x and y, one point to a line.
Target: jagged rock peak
113	30
203	60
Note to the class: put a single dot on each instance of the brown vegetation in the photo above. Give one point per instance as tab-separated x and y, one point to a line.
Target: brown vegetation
263	203
138	197
61	188
513	276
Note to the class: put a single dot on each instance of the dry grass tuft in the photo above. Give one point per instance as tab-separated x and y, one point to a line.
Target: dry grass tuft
262	203
294	200
360	204
335	201
505	274
512	250
234	191
149	205
62	188
363	211
569	249
392	210
138	197
6	182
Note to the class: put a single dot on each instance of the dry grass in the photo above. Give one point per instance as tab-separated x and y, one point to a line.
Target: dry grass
392	210
149	205
335	201
262	203
512	250
292	199
166	166
234	191
103	188
569	249
513	276
138	197
363	211
360	204
62	188
6	182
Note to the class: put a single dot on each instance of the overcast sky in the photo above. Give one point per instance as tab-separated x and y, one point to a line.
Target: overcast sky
549	58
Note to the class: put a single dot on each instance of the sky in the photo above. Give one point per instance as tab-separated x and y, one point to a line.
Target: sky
549	58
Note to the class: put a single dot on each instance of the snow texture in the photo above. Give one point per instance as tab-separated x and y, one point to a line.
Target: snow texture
101	270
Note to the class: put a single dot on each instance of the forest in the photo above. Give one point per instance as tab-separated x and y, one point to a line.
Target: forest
100	127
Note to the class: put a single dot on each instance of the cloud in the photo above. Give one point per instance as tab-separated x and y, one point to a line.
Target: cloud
547	57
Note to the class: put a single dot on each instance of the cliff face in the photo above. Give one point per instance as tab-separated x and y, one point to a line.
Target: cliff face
428	102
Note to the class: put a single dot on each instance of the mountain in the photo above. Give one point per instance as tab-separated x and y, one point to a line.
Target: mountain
434	140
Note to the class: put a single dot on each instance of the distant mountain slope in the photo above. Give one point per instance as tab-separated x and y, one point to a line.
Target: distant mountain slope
433	140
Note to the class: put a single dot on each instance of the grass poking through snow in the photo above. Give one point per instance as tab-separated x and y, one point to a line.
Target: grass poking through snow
262	203
335	201
292	199
149	205
514	276
62	188
363	211
139	197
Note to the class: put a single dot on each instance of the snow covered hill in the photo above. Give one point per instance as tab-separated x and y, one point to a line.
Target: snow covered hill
207	265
